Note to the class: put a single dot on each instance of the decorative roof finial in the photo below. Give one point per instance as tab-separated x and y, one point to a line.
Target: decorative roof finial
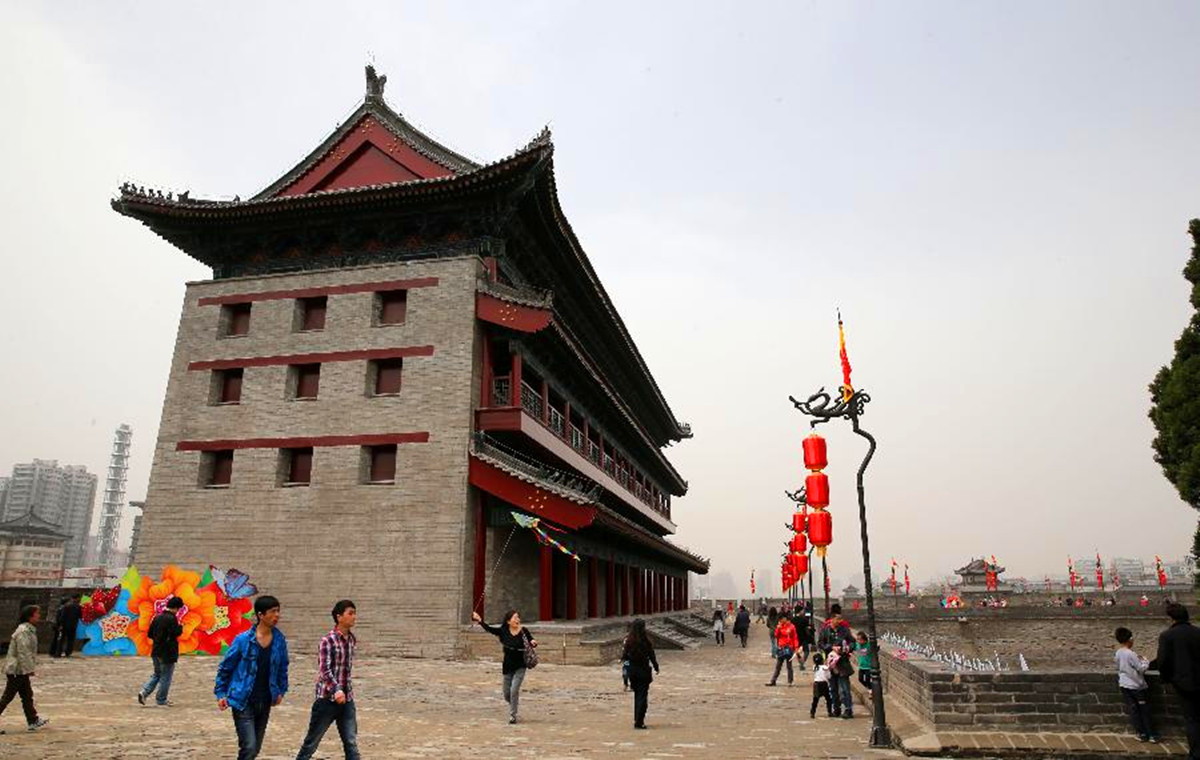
375	84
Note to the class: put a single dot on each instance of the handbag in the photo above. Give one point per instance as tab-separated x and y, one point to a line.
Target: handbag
531	655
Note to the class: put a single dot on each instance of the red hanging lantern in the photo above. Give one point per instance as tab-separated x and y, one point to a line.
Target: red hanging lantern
814	453
820	530
817	487
799	522
798	544
800	562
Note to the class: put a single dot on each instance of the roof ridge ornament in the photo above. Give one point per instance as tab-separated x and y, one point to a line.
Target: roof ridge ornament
375	84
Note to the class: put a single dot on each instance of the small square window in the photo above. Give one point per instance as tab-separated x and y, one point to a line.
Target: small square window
387	376
391	307
228	386
297	466
235	319
312	313
216	468
305	380
381	464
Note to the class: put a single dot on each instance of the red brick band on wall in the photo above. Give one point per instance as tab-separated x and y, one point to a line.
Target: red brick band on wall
327	290
320	358
375	439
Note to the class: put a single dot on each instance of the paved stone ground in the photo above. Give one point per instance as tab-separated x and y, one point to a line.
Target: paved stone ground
707	703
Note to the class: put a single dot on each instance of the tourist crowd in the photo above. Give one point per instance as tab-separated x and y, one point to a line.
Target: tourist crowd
252	676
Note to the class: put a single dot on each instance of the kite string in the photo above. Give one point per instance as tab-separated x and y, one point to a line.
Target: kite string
487	581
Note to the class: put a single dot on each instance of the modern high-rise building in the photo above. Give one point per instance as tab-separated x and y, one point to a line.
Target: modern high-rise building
400	350
63	496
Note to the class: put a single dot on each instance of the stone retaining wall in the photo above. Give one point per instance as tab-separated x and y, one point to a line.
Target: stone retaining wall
1032	701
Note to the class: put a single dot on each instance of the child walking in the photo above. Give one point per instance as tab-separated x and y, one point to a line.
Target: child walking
820	686
1131	679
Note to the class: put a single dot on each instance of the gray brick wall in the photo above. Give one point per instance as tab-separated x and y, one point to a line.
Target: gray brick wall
401	552
1050	701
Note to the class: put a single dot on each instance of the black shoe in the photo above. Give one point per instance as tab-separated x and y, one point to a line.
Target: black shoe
639	725
141	699
771	683
812	715
512	720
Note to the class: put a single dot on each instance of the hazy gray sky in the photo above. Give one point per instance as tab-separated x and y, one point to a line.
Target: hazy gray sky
996	195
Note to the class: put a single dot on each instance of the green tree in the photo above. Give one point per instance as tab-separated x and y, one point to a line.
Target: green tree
1175	402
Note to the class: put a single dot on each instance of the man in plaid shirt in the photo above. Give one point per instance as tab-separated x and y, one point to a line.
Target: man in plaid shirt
335	693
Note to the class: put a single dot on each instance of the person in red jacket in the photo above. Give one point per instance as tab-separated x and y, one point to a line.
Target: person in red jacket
786	644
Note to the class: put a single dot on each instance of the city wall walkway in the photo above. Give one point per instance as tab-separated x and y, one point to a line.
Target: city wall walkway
709	702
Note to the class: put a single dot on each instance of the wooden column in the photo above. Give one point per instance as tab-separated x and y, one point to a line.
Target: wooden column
546	403
566	434
485	393
546	591
572	589
593	578
480	577
639	591
515	379
627	592
610	590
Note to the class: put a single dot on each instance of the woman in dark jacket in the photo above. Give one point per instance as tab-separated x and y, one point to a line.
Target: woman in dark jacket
741	624
772	621
639	653
513	637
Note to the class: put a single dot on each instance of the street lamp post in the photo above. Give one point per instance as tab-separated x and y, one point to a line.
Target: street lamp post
822	408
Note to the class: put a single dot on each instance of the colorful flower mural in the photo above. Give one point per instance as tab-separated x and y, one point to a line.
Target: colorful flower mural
216	608
151	598
231	617
105	633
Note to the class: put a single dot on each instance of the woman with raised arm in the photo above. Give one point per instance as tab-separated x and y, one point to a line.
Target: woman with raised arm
639	652
517	643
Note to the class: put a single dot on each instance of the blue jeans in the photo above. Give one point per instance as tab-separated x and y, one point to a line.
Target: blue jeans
842	696
251	725
161	678
324	713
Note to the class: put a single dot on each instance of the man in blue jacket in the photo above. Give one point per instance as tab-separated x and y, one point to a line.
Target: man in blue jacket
253	677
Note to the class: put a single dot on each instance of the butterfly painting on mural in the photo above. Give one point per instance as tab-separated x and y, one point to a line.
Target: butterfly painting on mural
233	582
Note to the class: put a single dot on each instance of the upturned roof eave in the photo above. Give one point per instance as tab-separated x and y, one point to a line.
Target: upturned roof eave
675	430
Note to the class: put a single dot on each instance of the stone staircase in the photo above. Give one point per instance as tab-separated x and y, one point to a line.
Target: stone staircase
667	633
693	625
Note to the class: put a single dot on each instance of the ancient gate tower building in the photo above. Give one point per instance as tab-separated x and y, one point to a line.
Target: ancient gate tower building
399	348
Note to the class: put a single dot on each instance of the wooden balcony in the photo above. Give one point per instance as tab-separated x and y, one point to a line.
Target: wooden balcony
552	429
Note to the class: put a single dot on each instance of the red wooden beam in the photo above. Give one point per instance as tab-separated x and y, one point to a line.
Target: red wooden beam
528	497
527	319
